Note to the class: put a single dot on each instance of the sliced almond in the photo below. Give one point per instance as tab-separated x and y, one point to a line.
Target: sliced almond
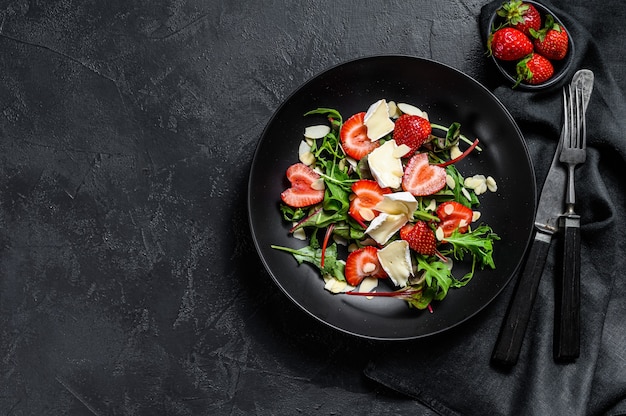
491	184
299	234
481	189
450	182
466	193
455	152
304	147
340	240
401	151
307	158
369	267
463	223
439	233
432	205
448	209
476	216
394	112
316	132
367	214
410	109
368	284
318	184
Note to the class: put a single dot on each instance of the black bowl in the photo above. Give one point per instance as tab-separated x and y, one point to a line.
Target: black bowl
447	95
561	67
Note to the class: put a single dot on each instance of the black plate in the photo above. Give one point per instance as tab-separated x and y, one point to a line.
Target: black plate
447	95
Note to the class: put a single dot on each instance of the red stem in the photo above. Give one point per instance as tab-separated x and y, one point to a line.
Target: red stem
461	156
329	232
379	294
304	219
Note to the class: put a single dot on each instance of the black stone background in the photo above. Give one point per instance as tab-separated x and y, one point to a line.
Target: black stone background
128	280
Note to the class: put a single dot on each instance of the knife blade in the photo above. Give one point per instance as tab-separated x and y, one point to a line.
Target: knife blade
547	216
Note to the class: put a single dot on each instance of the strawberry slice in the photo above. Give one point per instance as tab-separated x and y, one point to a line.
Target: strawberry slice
420	237
301	194
362	263
353	136
367	194
421	178
454	215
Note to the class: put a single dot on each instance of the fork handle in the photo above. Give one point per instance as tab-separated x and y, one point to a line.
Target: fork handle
511	336
567	322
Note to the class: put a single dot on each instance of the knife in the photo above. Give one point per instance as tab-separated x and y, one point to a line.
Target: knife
548	214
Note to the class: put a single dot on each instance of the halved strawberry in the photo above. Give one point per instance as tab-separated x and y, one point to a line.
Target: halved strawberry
420	237
412	131
362	263
302	194
421	178
367	194
454	215
354	140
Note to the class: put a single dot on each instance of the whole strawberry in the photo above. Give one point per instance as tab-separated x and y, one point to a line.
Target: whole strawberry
521	16
420	237
412	131
509	44
552	40
534	69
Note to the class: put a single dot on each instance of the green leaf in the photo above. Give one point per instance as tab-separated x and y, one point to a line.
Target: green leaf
477	243
312	254
436	274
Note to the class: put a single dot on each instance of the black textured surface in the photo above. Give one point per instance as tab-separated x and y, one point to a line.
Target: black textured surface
128	281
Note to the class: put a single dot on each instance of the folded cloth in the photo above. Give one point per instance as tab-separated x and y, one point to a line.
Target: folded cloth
451	373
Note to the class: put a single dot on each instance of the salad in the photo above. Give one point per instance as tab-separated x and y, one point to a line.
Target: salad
378	197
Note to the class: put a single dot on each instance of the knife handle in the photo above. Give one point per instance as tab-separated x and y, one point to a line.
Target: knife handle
509	343
567	322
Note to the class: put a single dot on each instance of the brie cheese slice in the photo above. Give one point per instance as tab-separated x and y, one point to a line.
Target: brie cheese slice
398	203
377	120
385	225
395	259
385	166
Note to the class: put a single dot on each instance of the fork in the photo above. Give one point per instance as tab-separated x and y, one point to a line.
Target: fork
573	153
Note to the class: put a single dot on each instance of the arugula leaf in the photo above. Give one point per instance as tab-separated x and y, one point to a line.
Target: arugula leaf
292	214
436	274
477	242
329	112
312	254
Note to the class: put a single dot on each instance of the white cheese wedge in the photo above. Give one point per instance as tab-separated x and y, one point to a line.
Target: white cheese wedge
398	203
316	132
395	259
377	120
385	225
385	166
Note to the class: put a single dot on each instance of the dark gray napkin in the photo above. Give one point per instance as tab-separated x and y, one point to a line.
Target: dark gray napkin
451	373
